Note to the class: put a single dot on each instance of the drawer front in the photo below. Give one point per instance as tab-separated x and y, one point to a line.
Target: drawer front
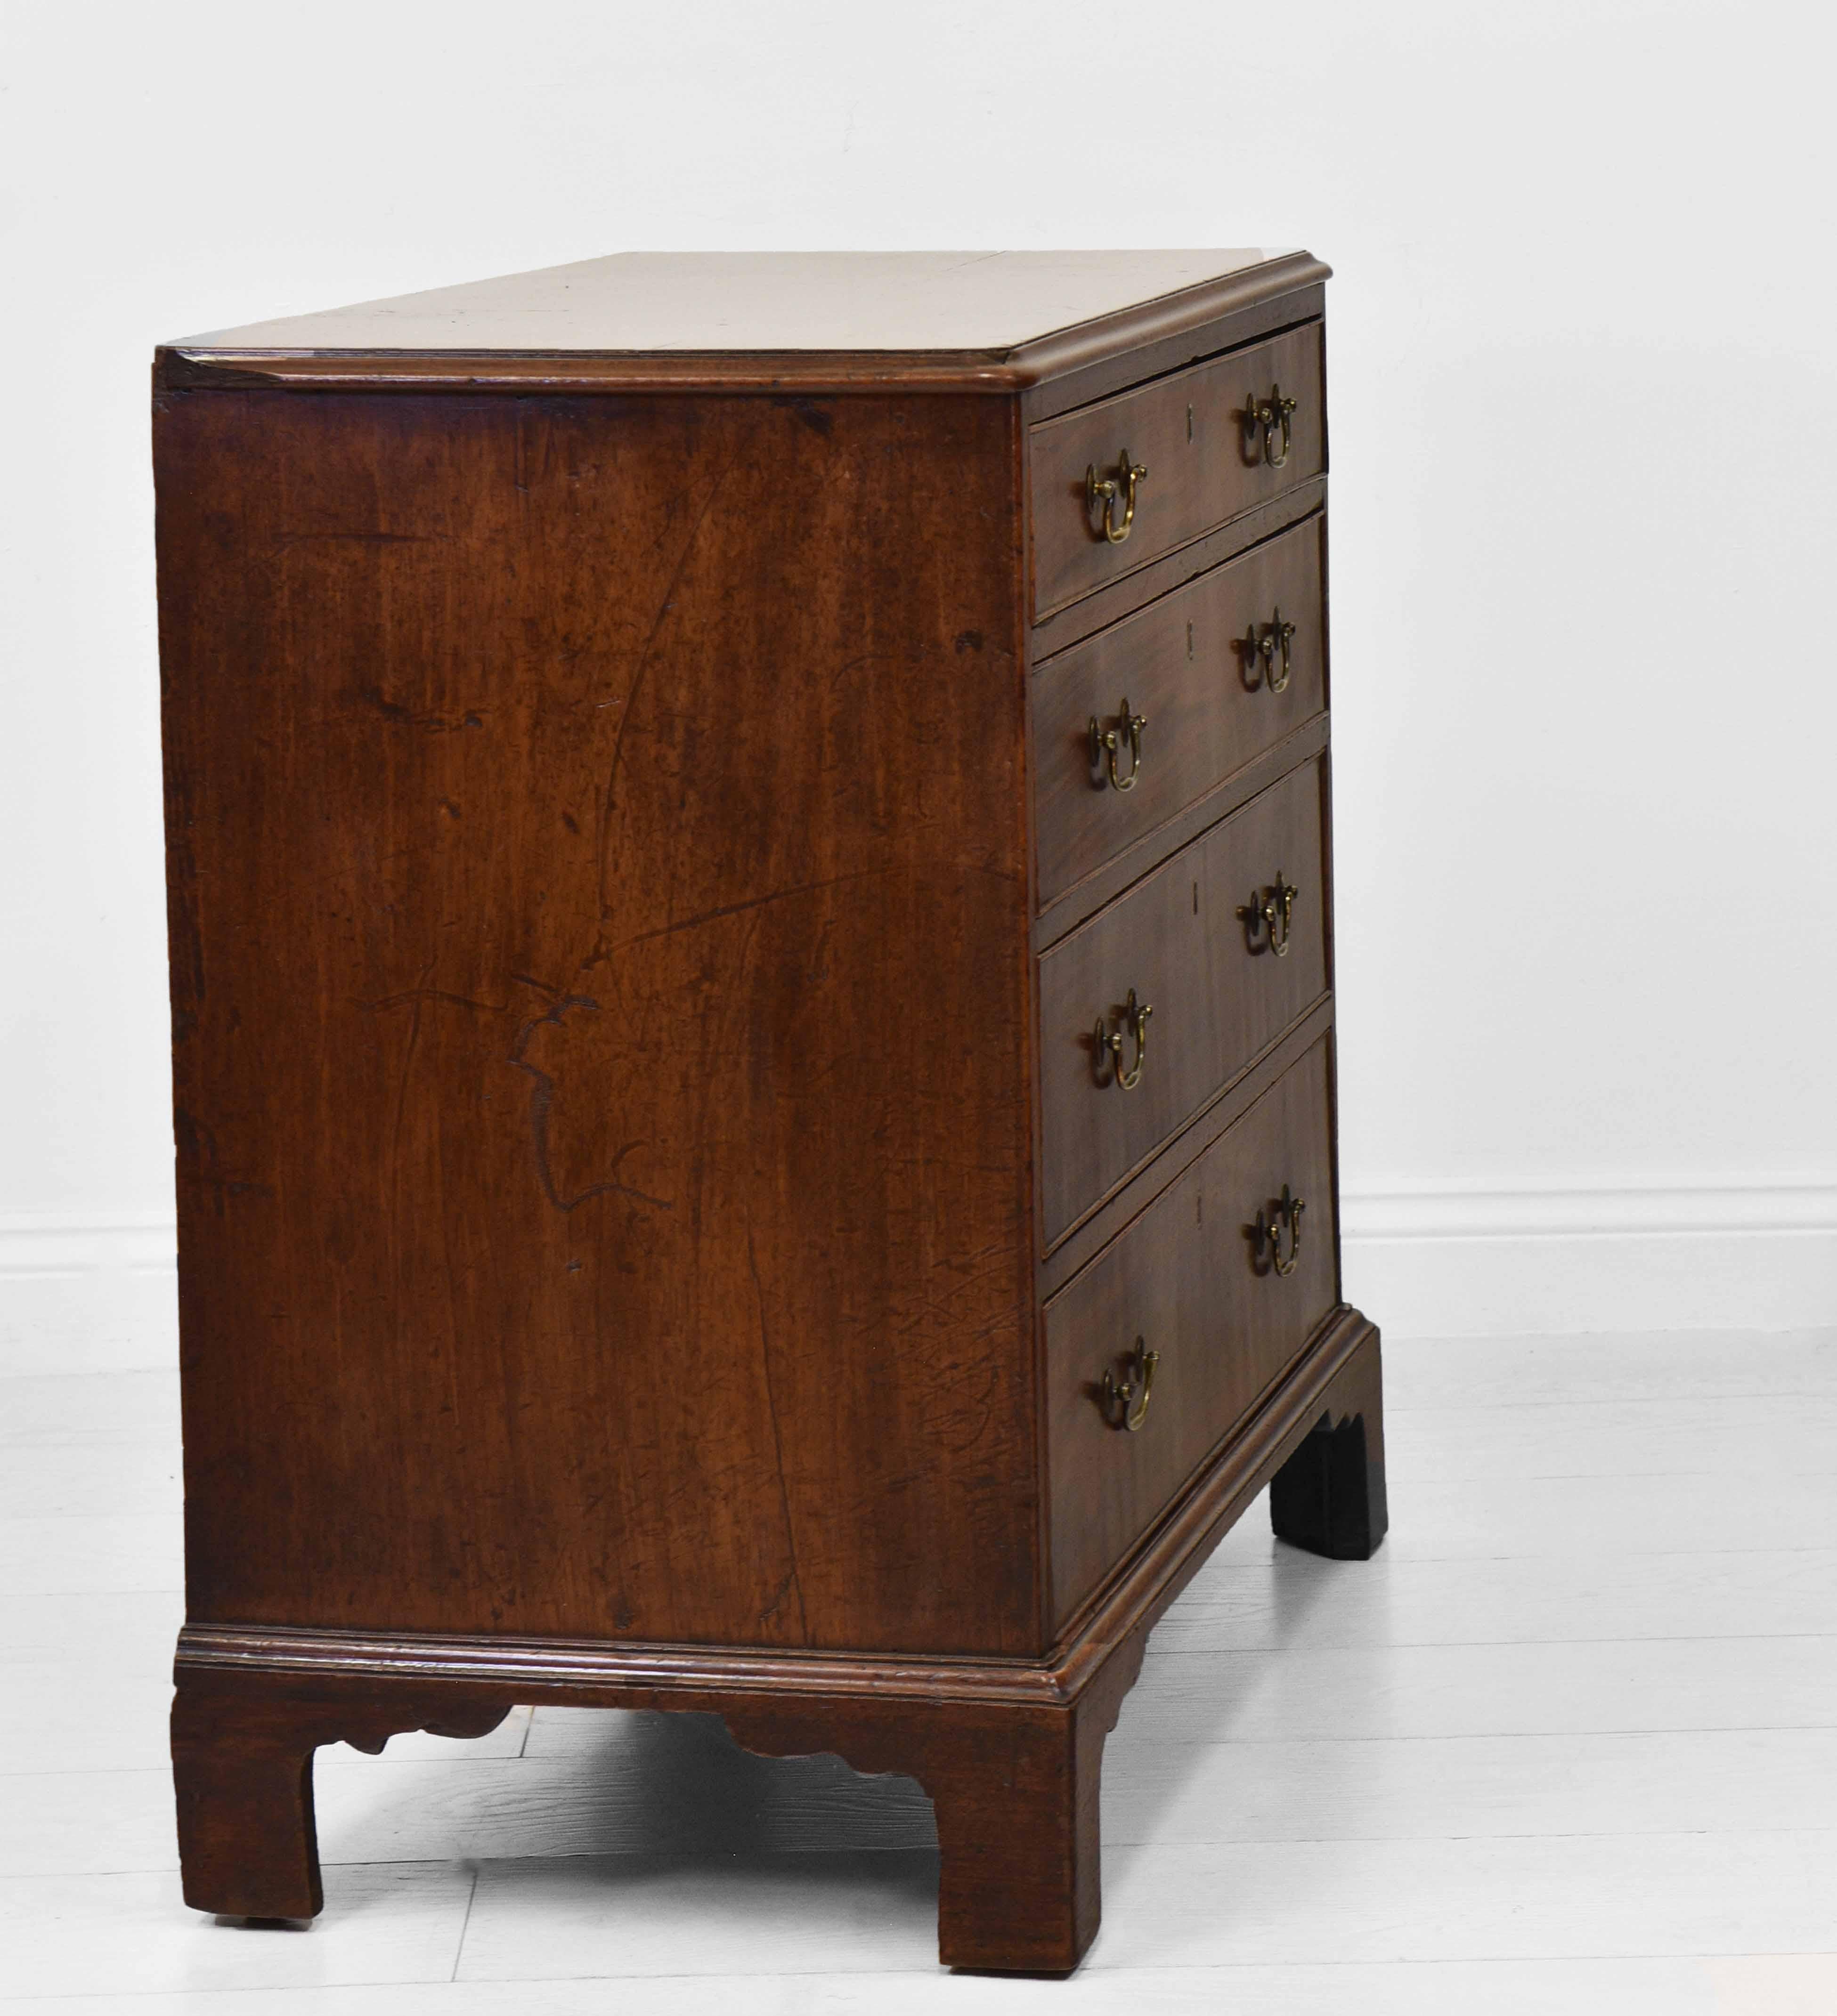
1189	943
1207	453
1191	1279
1214	674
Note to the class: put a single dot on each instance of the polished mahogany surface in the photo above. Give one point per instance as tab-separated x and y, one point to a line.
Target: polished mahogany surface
670	1186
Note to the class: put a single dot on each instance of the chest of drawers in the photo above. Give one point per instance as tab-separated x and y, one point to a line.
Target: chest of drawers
750	896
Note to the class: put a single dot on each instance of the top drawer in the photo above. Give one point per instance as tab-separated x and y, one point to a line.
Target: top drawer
1213	442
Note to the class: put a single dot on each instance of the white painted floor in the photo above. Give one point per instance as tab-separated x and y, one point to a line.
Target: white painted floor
1568	1745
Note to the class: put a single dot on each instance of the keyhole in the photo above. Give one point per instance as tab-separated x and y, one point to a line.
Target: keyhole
1189	424
1189	640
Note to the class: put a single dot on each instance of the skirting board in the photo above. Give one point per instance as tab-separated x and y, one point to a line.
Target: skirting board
1440	1261
98	1294
87	1295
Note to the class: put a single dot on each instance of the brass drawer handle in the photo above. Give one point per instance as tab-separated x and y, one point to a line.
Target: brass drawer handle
1130	726
1109	1043
1259	646
1126	1401
1267	1234
1268	916
1263	419
1104	489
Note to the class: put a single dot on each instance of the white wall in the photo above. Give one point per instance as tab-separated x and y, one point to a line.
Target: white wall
1585	417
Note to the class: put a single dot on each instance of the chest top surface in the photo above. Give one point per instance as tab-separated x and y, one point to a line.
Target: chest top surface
729	302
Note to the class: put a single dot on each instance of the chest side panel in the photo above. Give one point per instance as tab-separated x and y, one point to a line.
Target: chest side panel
598	867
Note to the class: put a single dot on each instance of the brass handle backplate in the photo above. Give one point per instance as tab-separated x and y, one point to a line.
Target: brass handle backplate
1106	742
1109	1043
1105	489
1268	915
1263	420
1266	1234
1259	646
1125	1401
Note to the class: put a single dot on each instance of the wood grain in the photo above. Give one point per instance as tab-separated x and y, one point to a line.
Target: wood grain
570	1240
1188	431
242	1767
1017	1893
1218	995
1186	1278
1494	1703
1072	368
632	934
1182	664
996	1752
1077	1248
1097	610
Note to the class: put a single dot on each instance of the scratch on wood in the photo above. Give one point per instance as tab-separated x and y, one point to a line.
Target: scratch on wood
420	994
391	709
666	605
543	1098
602	953
284	540
791	1538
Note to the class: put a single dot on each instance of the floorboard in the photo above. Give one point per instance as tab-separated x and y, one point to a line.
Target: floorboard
1766	1985
1569	1742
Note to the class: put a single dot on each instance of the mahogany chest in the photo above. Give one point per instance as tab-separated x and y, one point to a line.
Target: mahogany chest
752	948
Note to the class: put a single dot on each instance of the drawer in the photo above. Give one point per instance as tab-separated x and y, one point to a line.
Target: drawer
1192	1280
1187	942
1216	672
1207	453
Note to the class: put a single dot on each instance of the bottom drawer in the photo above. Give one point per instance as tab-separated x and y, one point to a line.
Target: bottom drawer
1194	1279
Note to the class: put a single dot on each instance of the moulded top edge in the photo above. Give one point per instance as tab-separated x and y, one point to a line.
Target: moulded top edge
998	320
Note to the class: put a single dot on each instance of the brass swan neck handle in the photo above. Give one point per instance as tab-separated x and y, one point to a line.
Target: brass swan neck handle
1109	1043
1105	490
1125	1401
1107	743
1266	1234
